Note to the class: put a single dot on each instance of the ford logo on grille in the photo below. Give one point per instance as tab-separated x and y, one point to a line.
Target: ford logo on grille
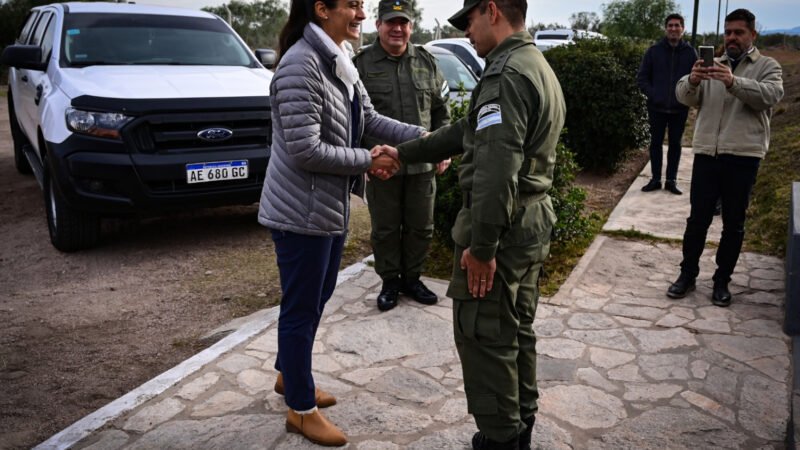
215	134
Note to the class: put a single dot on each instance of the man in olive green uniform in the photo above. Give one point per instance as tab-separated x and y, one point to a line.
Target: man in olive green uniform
502	232
403	83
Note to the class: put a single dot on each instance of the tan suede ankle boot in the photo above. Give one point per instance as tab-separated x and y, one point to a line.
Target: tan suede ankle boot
323	399
316	428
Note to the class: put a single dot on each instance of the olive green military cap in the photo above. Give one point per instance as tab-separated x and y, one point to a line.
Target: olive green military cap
390	9
460	19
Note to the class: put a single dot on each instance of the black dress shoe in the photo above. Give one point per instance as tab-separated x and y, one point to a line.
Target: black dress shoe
672	187
419	292
525	436
481	442
721	296
387	299
681	287
653	185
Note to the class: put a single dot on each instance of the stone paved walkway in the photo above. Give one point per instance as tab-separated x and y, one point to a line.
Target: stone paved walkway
620	366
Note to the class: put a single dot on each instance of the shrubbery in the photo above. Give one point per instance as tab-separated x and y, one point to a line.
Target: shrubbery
606	113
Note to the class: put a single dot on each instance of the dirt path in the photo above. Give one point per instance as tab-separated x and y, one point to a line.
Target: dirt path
82	329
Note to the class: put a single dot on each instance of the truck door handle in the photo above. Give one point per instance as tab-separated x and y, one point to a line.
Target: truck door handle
24	78
39	90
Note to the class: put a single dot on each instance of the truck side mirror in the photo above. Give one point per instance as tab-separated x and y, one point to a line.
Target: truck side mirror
23	57
267	57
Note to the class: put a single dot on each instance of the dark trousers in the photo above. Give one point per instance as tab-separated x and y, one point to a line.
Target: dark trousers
308	268
659	123
729	178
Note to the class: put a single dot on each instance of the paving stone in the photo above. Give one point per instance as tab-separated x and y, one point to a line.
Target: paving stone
614	339
721	385
746	311
593	378
680	428
700	369
325	363
333	318
366	415
438	311
624	321
767	285
548	327
746	348
267	342
776	367
233	432
152	415
716	313
238	362
260	355
109	440
435	372
760	327
686	313
740	279
671	321
709	405
650	392
600	288
560	348
364	376
453	410
358	308
377	445
655	341
407	384
761	297
711	326
555	369
349	291
455	437
275	403
629	372
395	334
591	321
665	366
455	372
222	403
346	360
194	388
764	407
719	359
607	359
367	280
254	381
634	312
592	304
680	403
549	436
643	301
331	384
582	406
433	359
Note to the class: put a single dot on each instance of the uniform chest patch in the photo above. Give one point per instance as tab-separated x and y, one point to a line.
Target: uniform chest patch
489	115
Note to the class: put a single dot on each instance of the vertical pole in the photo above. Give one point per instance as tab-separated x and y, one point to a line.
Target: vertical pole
716	35
694	23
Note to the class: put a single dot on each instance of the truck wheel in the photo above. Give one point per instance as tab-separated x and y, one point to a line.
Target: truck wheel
70	230
19	139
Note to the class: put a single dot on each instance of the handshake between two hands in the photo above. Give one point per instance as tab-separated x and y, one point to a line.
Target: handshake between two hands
386	162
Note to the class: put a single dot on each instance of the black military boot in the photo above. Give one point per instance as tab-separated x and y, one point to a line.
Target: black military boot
419	292
525	436
721	296
481	442
681	287
672	186
387	299
653	185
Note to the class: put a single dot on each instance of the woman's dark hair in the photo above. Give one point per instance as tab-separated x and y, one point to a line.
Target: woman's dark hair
300	14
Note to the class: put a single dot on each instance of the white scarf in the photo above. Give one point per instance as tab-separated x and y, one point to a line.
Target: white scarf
342	65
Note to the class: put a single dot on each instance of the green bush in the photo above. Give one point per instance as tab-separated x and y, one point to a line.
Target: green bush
606	112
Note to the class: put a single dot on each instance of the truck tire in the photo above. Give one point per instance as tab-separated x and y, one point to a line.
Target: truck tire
19	140
70	230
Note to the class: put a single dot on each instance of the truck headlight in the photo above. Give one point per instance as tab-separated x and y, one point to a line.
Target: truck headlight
101	124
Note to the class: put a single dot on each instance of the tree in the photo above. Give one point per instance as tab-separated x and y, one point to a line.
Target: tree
637	18
585	20
259	23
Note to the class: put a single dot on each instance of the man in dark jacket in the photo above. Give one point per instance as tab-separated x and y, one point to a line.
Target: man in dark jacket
662	66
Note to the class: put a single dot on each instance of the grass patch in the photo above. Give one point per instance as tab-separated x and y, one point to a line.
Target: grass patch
357	246
636	235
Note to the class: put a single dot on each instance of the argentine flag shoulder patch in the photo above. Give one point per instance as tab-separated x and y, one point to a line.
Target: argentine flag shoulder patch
489	115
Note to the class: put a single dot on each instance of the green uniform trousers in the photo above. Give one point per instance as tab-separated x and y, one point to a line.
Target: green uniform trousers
401	212
496	343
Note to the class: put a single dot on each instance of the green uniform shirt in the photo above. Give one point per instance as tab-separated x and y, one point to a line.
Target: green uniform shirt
508	140
409	88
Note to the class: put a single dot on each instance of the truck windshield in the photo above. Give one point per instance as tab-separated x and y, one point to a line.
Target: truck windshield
125	39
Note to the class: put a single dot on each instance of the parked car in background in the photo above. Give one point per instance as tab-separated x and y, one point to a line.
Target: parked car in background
464	50
122	109
547	39
456	72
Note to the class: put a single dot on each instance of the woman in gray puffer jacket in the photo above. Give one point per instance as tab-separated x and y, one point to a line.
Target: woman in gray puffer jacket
320	110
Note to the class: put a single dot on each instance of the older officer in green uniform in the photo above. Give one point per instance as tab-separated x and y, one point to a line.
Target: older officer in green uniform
502	232
403	83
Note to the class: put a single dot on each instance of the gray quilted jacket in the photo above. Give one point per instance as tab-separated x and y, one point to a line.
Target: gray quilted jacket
313	168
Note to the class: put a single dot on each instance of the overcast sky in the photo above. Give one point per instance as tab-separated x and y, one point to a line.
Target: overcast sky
770	14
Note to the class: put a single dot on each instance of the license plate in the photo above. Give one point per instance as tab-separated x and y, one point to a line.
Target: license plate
216	171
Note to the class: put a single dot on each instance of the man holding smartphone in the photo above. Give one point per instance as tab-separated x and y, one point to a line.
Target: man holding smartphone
735	97
662	66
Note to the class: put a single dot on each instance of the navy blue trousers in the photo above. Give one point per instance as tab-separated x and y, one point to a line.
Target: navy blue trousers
660	122
729	178
308	268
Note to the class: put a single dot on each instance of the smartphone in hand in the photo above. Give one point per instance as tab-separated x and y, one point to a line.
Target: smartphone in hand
707	53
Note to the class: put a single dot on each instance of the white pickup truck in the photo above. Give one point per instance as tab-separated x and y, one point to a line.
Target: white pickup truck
122	109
